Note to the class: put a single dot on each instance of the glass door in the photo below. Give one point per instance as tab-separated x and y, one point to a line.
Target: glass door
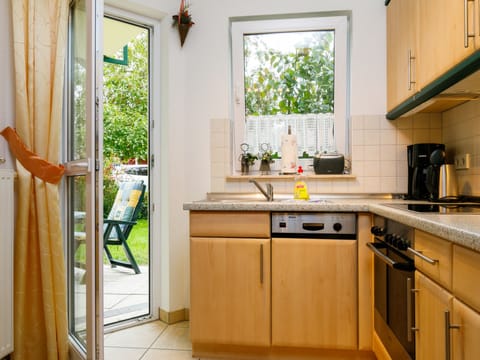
83	187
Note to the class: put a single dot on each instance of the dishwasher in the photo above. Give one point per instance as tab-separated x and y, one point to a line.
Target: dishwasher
314	280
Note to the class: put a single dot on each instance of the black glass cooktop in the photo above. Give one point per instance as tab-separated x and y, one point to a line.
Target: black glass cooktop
440	208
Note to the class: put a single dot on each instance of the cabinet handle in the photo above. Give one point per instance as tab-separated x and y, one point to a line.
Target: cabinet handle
423	257
261	263
466	34
410	59
410	293
448	326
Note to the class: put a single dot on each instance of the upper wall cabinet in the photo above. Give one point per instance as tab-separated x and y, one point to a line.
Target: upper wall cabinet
431	45
446	36
402	24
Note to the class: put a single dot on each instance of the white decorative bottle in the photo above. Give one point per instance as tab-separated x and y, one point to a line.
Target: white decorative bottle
289	153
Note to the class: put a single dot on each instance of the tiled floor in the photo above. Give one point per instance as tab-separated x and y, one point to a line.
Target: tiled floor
151	341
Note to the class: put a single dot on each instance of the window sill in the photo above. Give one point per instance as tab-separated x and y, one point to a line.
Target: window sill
240	178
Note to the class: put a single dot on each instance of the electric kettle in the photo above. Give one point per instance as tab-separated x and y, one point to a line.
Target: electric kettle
447	183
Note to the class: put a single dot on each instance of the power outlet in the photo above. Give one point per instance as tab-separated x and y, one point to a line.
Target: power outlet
462	162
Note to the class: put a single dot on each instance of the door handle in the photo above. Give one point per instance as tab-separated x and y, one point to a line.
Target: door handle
78	167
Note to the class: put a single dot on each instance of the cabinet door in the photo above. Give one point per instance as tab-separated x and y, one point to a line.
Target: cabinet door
466	272
431	303
230	291
402	18
441	36
314	293
466	344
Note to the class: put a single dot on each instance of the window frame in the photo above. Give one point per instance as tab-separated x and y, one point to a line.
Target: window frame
247	26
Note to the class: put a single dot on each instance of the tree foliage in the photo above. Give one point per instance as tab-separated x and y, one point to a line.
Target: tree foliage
299	82
125	104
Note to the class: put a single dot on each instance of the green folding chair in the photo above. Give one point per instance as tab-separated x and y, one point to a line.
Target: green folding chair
120	221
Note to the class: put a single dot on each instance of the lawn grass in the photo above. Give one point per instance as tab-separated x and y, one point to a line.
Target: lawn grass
137	241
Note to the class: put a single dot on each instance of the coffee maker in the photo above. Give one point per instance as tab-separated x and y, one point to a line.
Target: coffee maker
418	157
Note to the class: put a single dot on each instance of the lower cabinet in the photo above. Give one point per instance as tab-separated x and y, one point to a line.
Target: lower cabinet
314	293
230	291
432	301
465	332
447	327
250	294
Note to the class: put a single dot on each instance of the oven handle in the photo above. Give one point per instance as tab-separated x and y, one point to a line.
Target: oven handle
393	264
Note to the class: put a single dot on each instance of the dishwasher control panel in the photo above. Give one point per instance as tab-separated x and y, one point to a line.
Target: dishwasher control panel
316	224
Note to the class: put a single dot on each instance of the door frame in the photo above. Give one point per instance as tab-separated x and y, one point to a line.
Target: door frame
94	183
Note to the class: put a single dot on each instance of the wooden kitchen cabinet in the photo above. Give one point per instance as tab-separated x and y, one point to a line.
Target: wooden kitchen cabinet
465	338
314	293
440	251
466	275
230	278
441	36
402	24
230	291
430	305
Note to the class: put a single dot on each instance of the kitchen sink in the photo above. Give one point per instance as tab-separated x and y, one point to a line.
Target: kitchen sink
256	197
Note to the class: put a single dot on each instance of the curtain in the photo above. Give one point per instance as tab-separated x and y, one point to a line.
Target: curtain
39	41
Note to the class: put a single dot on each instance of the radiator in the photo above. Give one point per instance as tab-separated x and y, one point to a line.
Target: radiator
6	261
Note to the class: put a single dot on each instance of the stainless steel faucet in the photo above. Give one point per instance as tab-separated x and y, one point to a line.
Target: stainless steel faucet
268	193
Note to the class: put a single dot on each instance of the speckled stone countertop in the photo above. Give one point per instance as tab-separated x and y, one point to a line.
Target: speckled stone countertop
463	229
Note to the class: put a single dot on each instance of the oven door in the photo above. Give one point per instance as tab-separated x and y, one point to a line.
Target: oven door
393	298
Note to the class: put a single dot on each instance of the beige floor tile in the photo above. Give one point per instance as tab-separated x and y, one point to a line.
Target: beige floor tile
183	324
160	354
141	336
174	337
123	353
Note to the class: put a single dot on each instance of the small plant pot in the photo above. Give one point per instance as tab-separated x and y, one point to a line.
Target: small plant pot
245	168
183	31
265	167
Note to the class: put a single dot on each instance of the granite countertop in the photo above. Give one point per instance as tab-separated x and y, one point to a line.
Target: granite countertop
463	229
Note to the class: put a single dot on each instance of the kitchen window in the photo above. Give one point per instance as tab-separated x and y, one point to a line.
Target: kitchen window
290	72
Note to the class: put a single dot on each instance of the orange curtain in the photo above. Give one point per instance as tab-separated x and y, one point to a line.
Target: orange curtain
39	41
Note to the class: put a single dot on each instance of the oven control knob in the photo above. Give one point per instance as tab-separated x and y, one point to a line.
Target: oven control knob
402	244
395	240
337	227
389	238
377	230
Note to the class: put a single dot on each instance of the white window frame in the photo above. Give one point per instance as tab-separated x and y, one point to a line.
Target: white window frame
239	28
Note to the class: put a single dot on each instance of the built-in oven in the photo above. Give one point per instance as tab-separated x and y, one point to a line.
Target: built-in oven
393	281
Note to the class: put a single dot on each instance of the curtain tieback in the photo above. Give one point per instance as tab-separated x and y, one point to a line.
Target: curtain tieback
39	167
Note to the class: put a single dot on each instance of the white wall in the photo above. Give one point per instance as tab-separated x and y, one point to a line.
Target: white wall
207	91
195	89
7	109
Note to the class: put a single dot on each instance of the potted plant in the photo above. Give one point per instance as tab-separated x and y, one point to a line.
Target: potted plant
183	20
266	159
247	160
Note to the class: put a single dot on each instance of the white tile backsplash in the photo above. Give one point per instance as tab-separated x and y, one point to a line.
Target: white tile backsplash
461	135
379	160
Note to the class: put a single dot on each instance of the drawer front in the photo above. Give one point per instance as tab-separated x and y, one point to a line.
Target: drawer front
466	275
436	249
248	224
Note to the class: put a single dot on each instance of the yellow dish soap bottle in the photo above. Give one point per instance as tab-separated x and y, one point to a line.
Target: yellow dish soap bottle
300	191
